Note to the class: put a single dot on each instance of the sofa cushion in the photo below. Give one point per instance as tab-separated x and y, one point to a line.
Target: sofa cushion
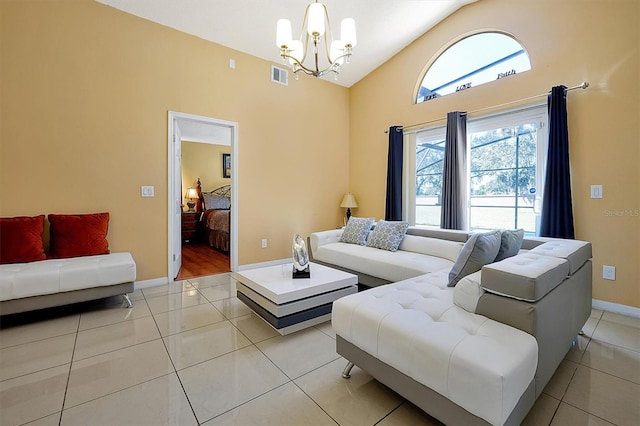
575	251
510	243
20	280
468	291
527	276
482	365
21	239
479	250
387	235
357	230
74	235
387	265
445	249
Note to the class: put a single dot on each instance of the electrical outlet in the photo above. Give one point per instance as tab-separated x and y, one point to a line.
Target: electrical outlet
609	272
264	243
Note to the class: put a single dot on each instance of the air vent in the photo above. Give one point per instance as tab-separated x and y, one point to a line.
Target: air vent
279	75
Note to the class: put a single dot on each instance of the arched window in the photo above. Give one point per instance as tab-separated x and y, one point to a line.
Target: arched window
472	61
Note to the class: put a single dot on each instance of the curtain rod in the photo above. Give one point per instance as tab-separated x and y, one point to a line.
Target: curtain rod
582	85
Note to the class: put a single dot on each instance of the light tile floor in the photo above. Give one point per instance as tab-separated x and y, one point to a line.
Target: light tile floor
191	353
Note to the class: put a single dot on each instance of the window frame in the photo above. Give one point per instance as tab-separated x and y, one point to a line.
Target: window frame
536	112
461	82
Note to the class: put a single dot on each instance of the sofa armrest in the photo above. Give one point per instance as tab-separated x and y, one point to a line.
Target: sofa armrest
526	276
317	239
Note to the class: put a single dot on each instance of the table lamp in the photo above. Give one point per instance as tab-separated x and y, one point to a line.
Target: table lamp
191	195
349	201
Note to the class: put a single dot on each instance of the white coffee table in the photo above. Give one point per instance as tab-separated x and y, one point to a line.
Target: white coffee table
289	304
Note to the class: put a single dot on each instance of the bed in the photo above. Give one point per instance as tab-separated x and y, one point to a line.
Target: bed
215	206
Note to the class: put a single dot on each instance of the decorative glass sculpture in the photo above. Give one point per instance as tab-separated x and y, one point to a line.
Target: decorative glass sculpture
299	252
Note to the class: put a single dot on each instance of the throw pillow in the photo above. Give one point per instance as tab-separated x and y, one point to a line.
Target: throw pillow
357	230
21	239
216	202
73	235
510	243
479	250
387	235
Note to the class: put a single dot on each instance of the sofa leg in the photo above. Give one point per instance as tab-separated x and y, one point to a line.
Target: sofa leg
127	300
346	373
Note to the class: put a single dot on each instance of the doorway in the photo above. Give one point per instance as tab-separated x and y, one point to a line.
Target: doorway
196	128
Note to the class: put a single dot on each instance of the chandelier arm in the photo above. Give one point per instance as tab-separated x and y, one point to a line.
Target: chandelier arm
301	67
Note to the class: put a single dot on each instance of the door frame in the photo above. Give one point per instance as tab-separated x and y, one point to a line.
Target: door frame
174	233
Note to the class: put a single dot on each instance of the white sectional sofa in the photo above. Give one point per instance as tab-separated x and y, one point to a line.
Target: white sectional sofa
54	282
477	353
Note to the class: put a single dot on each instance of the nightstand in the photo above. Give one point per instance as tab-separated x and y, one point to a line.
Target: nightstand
190	227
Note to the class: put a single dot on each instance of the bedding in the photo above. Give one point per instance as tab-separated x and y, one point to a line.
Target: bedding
216	216
216	225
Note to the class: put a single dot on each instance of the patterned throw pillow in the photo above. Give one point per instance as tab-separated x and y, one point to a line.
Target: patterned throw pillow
216	202
479	250
357	230
387	235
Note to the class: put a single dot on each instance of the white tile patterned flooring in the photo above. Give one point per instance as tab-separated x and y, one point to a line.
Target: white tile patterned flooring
190	353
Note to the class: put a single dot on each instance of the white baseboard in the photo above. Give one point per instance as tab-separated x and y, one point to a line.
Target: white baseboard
150	283
616	308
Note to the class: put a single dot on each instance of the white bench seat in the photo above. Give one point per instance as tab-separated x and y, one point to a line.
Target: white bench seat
55	276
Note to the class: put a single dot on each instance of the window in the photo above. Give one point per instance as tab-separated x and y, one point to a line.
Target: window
429	156
507	153
473	61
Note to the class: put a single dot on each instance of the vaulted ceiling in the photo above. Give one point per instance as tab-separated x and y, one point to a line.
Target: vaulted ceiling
384	27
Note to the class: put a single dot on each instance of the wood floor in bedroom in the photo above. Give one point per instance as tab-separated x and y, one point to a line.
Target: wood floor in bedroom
200	259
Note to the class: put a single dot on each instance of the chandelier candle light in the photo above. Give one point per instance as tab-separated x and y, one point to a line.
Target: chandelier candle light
316	22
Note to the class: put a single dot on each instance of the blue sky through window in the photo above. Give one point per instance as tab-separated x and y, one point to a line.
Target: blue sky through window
473	61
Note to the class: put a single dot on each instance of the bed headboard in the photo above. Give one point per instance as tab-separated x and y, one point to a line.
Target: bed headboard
219	198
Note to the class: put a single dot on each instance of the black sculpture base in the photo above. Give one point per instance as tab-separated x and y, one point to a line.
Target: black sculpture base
301	274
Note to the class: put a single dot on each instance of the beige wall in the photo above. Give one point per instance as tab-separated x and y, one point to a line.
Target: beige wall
85	90
204	161
568	41
84	95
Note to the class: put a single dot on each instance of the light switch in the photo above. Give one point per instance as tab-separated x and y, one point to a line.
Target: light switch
147	191
596	191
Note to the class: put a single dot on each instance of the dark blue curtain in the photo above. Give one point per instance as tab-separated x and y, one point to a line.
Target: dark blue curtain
557	209
393	210
454	213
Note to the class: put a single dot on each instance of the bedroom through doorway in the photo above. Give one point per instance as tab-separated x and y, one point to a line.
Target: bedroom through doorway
202	236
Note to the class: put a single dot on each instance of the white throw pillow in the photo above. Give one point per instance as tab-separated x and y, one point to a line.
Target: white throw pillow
357	230
387	235
479	250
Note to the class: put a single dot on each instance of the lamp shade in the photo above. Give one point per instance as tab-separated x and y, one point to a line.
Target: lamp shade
349	201
284	33
315	22
348	32
191	193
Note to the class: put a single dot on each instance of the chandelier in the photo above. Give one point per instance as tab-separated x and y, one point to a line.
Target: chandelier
316	21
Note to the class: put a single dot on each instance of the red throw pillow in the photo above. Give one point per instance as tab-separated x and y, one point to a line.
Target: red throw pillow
73	235
21	239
